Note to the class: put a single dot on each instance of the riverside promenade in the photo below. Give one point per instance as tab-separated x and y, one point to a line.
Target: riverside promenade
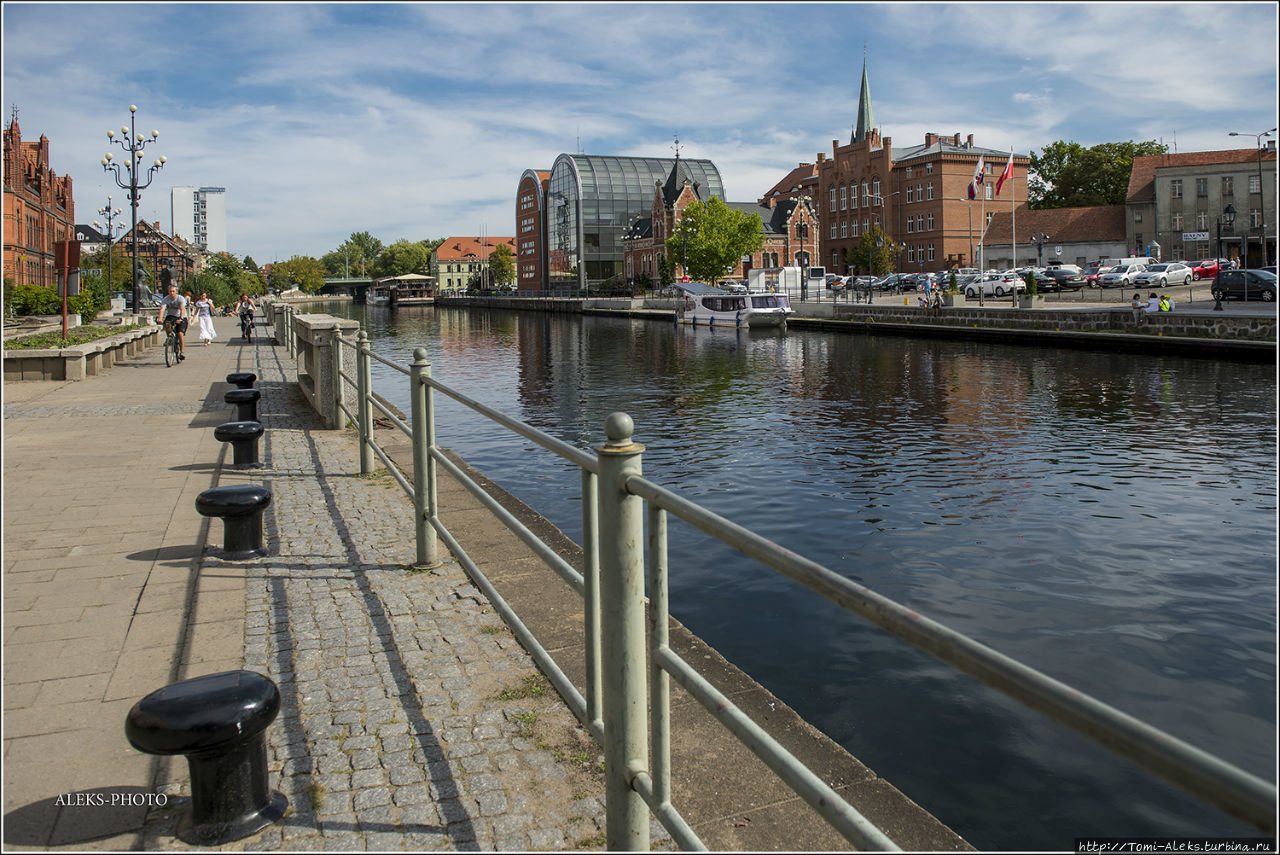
410	718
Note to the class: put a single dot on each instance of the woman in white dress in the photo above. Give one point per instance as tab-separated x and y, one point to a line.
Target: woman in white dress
204	313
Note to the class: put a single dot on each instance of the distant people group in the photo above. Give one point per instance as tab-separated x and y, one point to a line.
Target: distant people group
1151	305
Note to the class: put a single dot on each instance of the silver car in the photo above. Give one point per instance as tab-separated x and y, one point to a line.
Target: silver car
1163	275
1120	276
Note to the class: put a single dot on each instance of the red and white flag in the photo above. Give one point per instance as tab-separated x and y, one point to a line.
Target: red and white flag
977	180
1006	175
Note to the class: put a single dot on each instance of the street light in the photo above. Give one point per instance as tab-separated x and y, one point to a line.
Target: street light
1039	239
130	180
109	214
1228	217
802	229
1262	199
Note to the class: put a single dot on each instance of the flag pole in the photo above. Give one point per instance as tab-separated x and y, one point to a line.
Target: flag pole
1013	214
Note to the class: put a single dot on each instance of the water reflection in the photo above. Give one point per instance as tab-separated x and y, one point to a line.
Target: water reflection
1109	519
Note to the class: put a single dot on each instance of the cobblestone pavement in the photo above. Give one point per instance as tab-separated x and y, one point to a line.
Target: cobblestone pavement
410	717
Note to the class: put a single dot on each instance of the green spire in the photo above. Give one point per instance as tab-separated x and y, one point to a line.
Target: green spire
866	121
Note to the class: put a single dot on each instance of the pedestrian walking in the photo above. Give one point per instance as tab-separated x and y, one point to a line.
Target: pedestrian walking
204	314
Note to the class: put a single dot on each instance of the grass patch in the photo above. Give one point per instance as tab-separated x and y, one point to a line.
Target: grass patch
491	629
534	686
582	758
591	842
527	721
315	794
75	335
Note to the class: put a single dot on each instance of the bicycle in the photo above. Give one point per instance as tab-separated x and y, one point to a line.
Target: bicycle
172	350
246	326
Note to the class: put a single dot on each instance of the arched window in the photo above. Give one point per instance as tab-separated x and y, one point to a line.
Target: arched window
866	195
875	191
853	194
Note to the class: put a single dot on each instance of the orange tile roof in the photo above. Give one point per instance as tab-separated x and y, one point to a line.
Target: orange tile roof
1142	187
1098	223
460	248
802	174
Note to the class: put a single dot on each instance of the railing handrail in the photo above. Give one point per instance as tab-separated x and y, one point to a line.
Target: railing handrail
1202	775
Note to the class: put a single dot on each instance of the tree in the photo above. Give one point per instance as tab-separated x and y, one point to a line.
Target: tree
502	266
1068	175
402	257
234	276
302	271
362	250
713	237
250	265
869	258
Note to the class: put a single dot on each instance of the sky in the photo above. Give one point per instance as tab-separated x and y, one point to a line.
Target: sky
416	120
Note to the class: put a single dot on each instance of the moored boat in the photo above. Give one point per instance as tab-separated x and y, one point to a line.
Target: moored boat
706	305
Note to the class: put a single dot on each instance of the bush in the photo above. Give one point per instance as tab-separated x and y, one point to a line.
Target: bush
39	300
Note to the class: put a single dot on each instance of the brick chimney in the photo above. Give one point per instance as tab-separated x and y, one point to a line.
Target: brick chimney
930	139
956	139
822	157
968	143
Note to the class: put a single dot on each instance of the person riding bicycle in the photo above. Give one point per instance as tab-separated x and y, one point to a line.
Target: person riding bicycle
173	311
245	308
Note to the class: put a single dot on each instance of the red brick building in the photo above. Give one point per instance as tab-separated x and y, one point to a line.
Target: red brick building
38	210
531	249
916	195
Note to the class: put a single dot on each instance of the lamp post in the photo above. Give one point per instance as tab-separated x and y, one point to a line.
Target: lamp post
109	214
1228	216
131	181
1262	198
802	230
1039	238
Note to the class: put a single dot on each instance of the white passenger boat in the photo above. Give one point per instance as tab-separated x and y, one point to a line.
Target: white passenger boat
705	305
379	295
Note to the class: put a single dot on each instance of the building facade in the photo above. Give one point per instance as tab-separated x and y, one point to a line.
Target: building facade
1067	235
916	195
157	251
531	248
39	210
1177	201
199	216
459	258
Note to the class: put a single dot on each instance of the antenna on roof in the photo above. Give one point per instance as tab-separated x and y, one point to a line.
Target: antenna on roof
579	139
677	145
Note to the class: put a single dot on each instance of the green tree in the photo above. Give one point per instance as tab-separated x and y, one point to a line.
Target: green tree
1068	175
713	237
402	257
335	264
502	266
361	250
250	265
868	257
120	280
302	271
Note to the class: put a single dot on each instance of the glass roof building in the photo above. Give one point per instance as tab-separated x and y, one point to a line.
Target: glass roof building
591	202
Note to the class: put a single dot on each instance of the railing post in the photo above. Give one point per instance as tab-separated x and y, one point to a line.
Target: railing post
626	744
423	501
364	407
339	385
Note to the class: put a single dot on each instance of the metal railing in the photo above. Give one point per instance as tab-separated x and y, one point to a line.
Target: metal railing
626	701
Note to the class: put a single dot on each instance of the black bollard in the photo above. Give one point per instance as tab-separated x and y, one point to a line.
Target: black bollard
240	507
242	379
246	401
243	437
218	722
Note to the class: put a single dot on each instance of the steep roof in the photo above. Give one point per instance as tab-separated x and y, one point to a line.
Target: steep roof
461	248
866	122
1142	178
1065	225
805	173
774	218
675	184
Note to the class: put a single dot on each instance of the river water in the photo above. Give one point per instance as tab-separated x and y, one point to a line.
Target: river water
1108	519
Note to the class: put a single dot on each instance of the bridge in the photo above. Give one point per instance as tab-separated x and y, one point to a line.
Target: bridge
356	289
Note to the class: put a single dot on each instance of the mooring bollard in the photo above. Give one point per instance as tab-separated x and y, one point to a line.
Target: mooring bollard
246	401
242	379
218	722
240	507
243	437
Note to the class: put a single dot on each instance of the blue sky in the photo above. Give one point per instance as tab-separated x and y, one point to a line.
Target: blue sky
416	120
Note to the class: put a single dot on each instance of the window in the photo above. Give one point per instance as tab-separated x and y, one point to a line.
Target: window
910	194
835	259
989	216
908	171
1202	220
866	225
1255	184
844	228
877	220
911	254
1202	186
1175	222
833	230
987	188
919	222
929	218
931	252
1175	188
843	200
875	191
853	194
928	189
1228	185
1255	218
1137	216
920	192
831	193
866	195
928	169
853	228
910	225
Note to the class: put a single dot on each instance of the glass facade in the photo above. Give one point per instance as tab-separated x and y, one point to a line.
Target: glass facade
591	202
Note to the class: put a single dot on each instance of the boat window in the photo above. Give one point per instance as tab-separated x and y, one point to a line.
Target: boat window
765	302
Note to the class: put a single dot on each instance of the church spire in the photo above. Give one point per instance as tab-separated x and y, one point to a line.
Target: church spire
866	122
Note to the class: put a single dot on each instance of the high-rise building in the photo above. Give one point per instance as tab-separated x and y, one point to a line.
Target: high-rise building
200	216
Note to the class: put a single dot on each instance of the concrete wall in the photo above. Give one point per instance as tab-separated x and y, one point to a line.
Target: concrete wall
80	361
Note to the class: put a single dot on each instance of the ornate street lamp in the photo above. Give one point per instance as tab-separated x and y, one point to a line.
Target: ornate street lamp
1039	238
1228	217
1262	198
109	214
130	180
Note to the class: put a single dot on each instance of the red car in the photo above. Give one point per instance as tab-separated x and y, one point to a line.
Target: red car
1207	268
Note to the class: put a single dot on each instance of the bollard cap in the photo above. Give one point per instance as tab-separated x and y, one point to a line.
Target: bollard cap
618	428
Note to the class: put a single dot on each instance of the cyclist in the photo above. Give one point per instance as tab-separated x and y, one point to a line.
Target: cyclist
245	308
173	310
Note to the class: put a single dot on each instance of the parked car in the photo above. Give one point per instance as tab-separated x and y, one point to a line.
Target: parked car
1270	268
835	284
1162	275
1245	285
1207	268
1121	276
1066	277
993	285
